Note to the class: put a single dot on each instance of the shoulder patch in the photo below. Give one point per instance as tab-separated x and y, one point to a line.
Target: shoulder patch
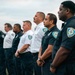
12	34
29	37
2	36
55	34
70	32
45	29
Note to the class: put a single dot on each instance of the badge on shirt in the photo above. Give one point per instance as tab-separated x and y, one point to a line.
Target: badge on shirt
29	37
70	32
45	29
55	34
2	36
12	34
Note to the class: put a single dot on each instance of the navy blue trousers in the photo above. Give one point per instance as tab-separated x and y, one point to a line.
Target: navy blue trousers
37	69
2	62
9	61
27	63
66	69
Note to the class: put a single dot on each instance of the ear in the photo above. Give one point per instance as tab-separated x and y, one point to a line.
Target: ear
51	21
68	10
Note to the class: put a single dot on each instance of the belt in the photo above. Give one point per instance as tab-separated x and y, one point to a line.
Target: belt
7	48
35	53
25	53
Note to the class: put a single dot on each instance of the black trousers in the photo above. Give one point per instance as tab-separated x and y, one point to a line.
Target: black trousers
66	69
2	62
27	63
37	69
9	61
46	68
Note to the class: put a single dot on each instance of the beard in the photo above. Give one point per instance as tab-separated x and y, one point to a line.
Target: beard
62	18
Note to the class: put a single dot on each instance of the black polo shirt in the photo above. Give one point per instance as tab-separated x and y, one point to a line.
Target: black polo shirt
16	40
49	38
2	35
66	39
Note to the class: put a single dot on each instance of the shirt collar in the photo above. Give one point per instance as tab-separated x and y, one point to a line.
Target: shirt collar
27	31
63	24
52	28
40	24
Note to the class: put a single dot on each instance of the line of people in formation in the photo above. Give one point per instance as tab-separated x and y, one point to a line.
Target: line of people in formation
46	51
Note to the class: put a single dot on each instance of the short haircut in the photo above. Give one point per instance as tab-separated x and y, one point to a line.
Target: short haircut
9	25
52	17
70	5
28	22
18	25
42	15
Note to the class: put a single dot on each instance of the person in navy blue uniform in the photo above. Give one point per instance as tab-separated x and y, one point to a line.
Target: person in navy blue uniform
2	56
19	33
44	58
64	49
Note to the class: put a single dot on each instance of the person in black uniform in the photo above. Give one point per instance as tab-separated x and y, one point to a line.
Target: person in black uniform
64	49
2	56
44	58
19	33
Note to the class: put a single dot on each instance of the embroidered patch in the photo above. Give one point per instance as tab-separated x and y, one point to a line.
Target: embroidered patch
29	37
55	34
12	34
70	32
2	36
45	29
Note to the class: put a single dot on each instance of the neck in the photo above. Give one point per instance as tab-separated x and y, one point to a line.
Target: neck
38	23
69	16
27	30
51	26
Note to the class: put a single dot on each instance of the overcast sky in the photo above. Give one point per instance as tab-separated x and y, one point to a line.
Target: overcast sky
16	11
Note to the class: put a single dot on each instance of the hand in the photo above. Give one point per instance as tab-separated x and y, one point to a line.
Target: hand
17	54
40	63
52	70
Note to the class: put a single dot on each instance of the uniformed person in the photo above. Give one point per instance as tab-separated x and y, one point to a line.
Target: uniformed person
44	57
2	56
23	51
19	33
7	45
64	48
36	40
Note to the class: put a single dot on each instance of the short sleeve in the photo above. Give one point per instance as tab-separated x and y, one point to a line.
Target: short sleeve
68	38
42	31
53	37
28	39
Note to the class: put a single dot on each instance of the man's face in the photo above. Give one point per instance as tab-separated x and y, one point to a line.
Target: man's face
47	21
25	26
36	18
62	13
15	28
6	28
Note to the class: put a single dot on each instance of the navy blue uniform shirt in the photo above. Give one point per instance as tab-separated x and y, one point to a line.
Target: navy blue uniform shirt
16	40
1	38
66	39
49	38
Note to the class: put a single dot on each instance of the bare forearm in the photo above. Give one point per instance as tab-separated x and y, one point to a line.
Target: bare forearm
24	47
61	55
40	52
47	52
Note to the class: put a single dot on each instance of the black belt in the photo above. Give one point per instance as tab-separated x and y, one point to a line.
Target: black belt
25	53
35	53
